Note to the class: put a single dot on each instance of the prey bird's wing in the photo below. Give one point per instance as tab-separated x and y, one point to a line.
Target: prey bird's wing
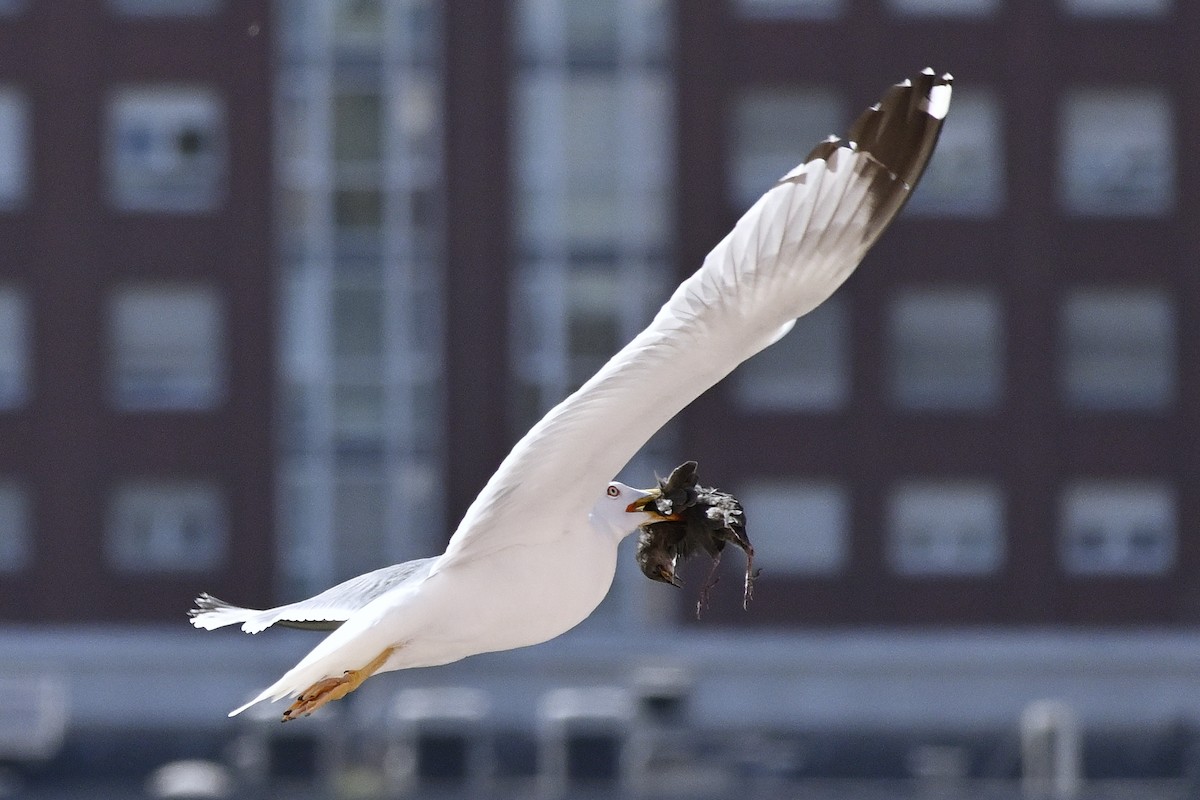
323	612
785	256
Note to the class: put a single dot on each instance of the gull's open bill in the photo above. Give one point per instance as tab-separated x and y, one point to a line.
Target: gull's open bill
536	552
692	518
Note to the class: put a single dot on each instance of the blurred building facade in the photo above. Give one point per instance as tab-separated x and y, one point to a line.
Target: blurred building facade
136	307
287	280
989	425
993	422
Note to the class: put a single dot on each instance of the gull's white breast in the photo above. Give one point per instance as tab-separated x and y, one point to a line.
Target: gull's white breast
517	596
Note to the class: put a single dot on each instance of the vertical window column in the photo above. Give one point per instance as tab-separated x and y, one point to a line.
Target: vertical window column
592	166
591	157
359	171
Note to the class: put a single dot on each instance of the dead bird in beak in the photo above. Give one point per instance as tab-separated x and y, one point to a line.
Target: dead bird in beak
691	518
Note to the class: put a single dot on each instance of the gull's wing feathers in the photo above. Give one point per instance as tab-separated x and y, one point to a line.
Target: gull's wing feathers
789	253
324	612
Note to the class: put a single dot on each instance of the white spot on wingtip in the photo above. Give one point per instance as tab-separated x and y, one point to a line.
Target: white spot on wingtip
946	76
905	83
938	102
927	71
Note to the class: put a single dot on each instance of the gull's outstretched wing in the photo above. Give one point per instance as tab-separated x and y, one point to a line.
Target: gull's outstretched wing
789	253
324	612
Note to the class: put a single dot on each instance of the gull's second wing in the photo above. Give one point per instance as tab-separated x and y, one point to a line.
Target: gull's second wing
324	612
785	256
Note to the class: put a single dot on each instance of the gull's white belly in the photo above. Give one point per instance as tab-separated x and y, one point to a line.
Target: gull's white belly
530	595
514	597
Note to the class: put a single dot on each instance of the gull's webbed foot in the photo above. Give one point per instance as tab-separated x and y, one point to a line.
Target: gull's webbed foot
327	690
323	691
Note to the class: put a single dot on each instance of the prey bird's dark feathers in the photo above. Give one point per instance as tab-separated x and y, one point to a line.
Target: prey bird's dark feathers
695	518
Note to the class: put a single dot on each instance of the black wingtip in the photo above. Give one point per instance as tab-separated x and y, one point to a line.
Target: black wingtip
901	131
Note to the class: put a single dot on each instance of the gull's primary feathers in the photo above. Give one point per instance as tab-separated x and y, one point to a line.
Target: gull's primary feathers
536	551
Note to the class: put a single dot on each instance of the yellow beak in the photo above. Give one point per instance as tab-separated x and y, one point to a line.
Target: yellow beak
645	505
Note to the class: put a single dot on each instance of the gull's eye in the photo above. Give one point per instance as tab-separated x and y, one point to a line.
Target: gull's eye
614	491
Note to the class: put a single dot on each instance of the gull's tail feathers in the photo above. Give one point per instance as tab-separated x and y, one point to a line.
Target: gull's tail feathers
324	612
211	613
391	621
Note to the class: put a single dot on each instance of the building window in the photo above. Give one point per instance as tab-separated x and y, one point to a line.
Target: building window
1118	153
593	322
1118	349
357	128
14	147
807	370
359	418
1118	528
167	526
594	35
360	519
358	326
165	8
358	24
947	349
805	526
14	348
946	529
589	161
1118	8
792	9
965	177
166	149
771	127
167	348
591	32
592	208
569	319
946	8
360	199
15	527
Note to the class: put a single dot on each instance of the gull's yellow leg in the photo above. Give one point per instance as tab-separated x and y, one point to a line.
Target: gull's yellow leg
329	689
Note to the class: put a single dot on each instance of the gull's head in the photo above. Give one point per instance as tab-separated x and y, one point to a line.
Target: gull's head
624	509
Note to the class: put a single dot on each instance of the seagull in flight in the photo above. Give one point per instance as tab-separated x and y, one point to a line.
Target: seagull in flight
536	552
